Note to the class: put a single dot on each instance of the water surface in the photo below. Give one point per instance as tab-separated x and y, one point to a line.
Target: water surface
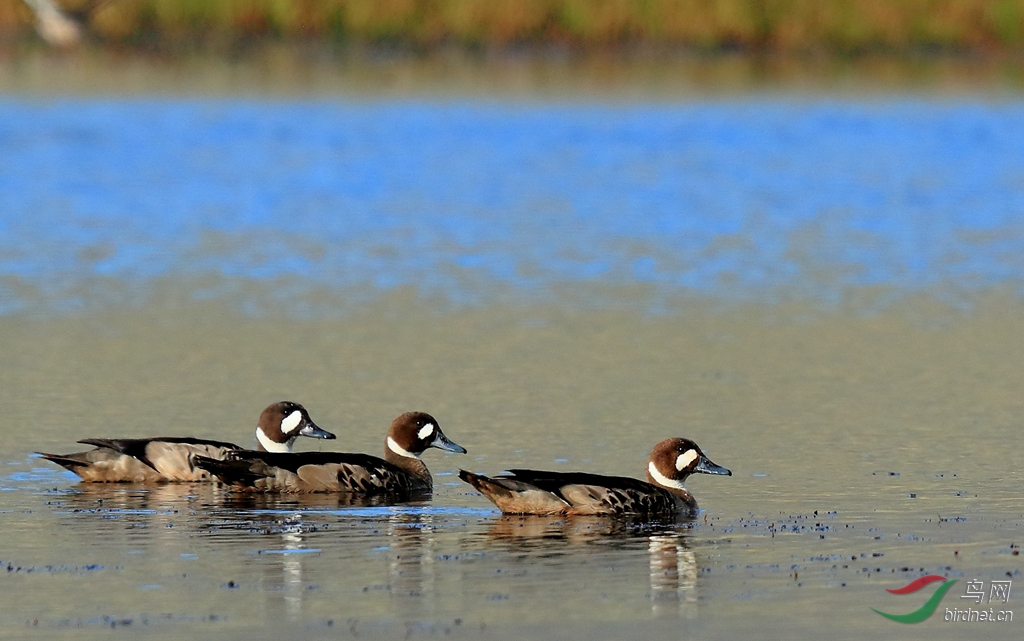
762	199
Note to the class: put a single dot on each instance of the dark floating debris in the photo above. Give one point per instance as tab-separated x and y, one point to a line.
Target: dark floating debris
120	621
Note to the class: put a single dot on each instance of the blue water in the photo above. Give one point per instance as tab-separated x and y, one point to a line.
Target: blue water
104	200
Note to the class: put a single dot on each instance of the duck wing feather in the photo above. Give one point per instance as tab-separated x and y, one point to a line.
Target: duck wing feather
343	472
594	494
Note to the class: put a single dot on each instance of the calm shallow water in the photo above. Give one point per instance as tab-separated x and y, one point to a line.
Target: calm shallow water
865	451
825	295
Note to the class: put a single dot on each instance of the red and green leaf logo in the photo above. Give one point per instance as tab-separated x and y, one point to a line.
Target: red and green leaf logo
929	606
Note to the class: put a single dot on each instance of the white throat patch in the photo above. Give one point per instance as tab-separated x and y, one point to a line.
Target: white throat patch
398	449
291	421
426	431
270	445
661	479
685	459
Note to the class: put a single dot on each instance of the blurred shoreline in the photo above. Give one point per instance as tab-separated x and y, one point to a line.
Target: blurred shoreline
837	27
610	48
288	69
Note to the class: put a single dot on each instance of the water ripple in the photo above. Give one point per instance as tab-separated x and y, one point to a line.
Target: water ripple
282	204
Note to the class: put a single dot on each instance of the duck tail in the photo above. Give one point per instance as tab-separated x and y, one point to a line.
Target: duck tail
473	479
486	486
69	461
513	496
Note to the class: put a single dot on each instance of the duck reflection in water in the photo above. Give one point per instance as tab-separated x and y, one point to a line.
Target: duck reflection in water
163	519
132	511
411	565
289	531
671	564
402	557
271	545
286	562
673	572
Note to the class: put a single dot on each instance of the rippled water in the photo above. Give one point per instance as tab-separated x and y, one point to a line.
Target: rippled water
757	199
824	294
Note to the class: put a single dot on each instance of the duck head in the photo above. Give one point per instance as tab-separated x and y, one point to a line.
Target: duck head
282	423
413	432
674	459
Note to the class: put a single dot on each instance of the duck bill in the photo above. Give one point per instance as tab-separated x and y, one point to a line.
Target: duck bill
441	442
705	466
311	430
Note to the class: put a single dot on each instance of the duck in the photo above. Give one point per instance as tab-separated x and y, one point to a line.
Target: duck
579	493
169	459
400	474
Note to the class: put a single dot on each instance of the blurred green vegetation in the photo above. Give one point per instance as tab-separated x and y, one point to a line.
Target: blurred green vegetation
831	26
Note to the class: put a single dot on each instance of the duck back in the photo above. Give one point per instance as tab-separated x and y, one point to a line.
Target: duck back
339	472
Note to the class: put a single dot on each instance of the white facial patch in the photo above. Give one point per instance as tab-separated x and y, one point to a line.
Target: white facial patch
663	480
398	449
426	431
270	445
291	422
684	459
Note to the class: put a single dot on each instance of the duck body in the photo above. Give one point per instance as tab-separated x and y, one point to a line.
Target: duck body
141	460
576	493
584	494
401	473
170	459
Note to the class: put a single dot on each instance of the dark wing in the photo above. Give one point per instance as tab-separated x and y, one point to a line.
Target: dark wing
554	481
230	472
292	461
